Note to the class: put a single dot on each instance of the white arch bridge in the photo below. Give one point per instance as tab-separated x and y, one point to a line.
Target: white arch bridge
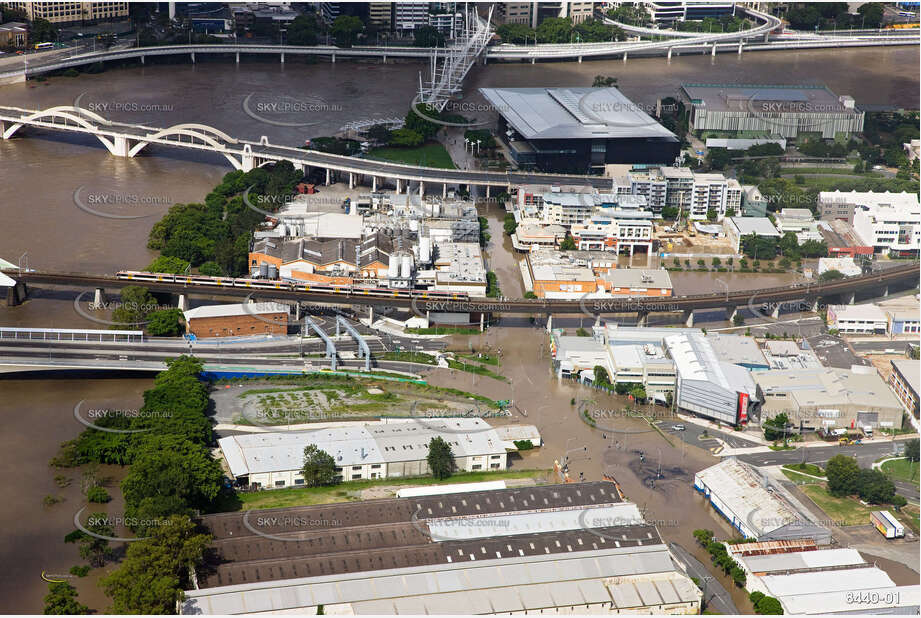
128	140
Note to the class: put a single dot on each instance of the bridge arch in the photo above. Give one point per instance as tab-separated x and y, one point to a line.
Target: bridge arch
209	135
78	115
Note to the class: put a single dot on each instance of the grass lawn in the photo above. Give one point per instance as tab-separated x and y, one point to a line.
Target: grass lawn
483	359
845	511
901	469
444	330
812	469
409	357
909	516
431	154
799	479
347	492
472	368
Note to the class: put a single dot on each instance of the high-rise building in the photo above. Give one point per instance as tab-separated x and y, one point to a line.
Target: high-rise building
72	12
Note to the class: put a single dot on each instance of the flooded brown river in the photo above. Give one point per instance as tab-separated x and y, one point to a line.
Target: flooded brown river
43	176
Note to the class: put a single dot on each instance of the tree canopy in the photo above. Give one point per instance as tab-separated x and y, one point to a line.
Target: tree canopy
842	473
441	458
319	467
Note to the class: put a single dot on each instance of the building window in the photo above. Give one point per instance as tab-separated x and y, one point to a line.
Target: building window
279	483
298	481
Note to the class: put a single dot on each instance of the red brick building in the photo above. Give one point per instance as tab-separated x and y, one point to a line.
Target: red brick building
237	320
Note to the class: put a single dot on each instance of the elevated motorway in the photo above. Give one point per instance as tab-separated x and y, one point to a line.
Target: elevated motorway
880	279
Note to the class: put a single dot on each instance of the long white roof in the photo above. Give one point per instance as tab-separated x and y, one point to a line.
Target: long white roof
480	587
350	445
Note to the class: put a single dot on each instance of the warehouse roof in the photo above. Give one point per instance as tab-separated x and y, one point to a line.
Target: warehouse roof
223	311
695	359
802	560
872	601
910	370
743	97
829	387
357	444
760	226
638	278
742	490
484	586
737	349
573	113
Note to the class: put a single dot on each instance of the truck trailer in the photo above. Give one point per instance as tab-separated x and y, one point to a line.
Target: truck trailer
887	525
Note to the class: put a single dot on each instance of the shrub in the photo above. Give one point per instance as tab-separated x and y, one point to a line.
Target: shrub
98	494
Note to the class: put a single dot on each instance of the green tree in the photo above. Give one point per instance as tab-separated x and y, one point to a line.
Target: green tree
441	458
515	33
718	158
171	466
509	224
554	30
167	264
776	428
604	81
568	243
427	36
831	275
319	467
98	494
151	577
738	319
873	486
211	269
303	30
94	549
638	393
843	474
711	214
406	138
61	600
345	30
379	134
165	323
134	306
871	14
769	606
911	449
601	376
42	31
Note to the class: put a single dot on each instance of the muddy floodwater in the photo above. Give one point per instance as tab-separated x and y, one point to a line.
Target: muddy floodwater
46	177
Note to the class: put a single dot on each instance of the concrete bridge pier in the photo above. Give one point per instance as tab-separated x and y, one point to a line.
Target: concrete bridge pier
297	312
16	294
740	47
384	60
99	297
421	189
549	323
482	322
193	57
183	303
642	319
886	291
334	59
143	58
351	180
689	318
669	57
580	59
282	57
373	184
625	56
849	298
713	51
487	191
775	312
121	146
399	186
444	191
815	306
732	316
327	176
533	60
238	57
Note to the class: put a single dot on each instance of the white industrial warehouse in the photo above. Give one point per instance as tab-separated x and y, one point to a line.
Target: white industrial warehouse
807	580
393	448
747	500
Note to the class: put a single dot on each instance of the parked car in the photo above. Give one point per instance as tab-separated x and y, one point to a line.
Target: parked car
678	427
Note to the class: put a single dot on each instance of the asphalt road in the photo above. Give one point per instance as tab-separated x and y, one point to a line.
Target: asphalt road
716	597
693	434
